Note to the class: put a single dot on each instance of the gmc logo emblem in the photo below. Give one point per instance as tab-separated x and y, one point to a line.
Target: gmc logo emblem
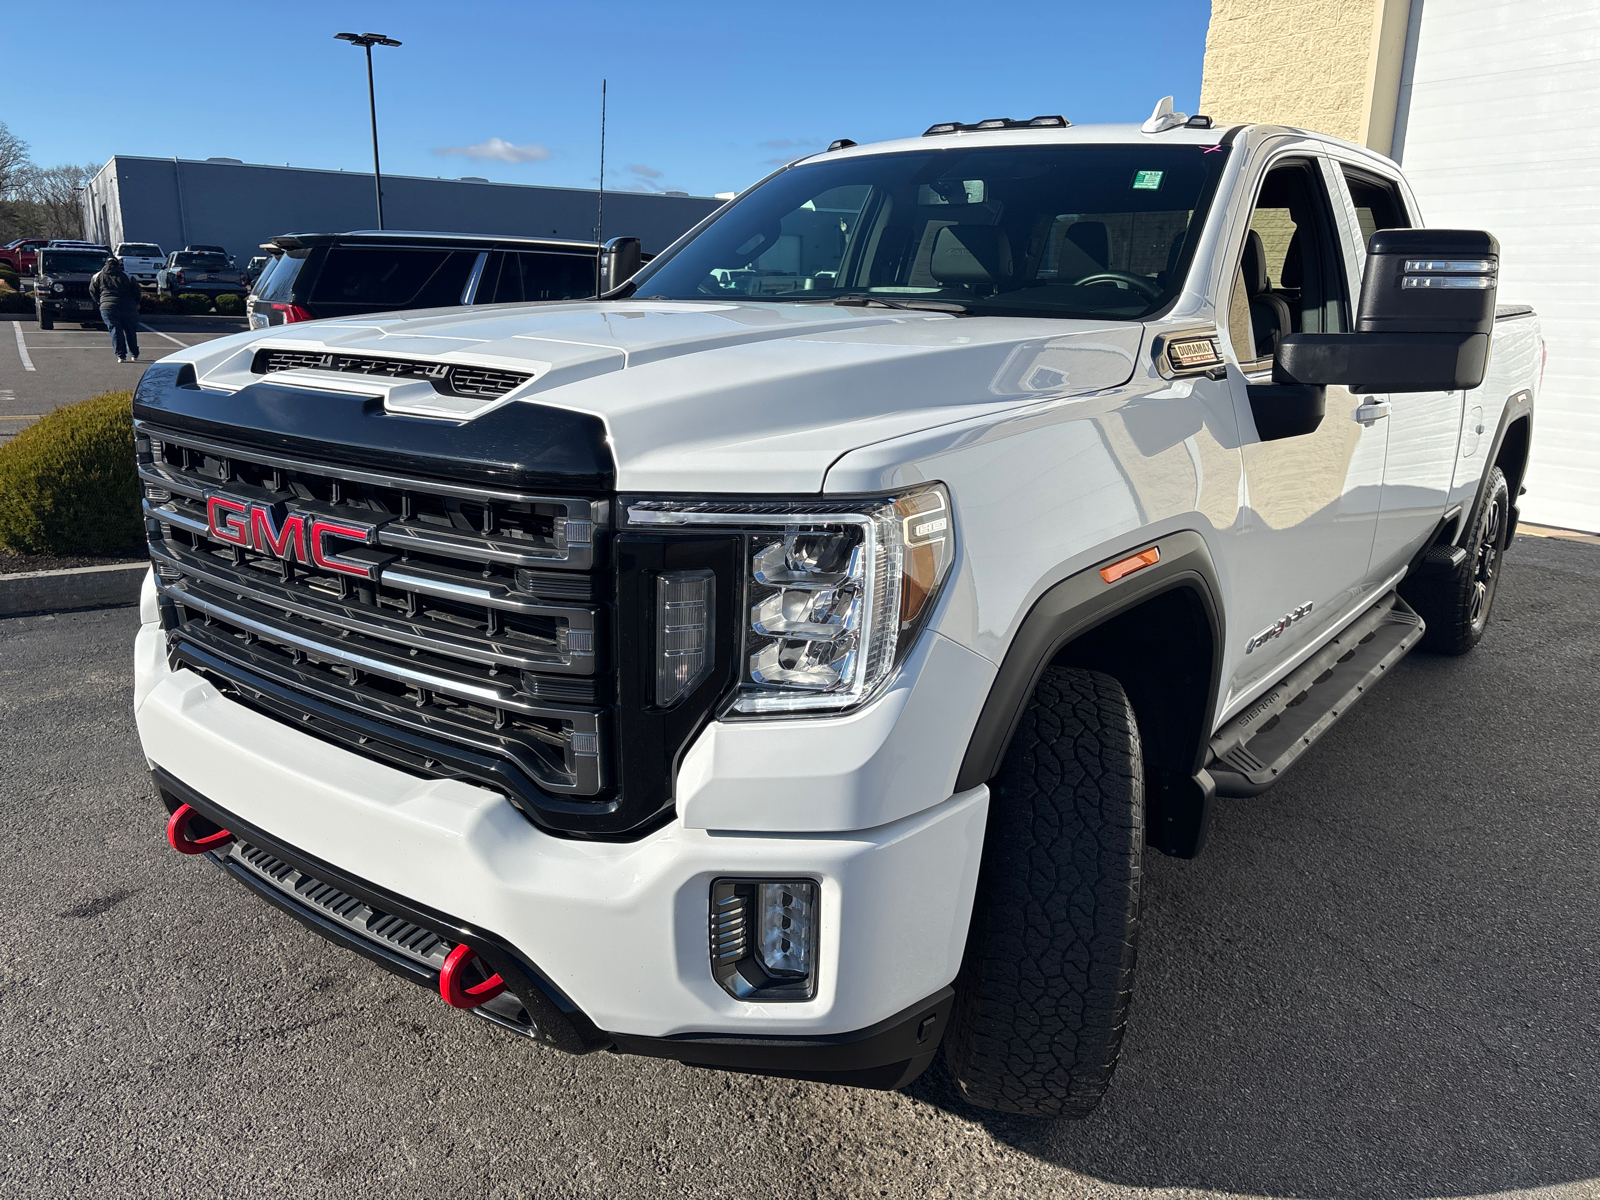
296	538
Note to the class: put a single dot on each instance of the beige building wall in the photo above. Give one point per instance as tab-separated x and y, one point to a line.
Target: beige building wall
1328	65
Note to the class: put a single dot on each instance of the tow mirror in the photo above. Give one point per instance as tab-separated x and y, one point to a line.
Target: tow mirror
620	259
1427	310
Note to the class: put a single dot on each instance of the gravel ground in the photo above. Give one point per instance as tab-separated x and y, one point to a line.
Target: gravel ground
1379	981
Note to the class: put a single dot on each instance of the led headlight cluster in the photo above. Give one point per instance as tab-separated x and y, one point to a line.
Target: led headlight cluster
834	590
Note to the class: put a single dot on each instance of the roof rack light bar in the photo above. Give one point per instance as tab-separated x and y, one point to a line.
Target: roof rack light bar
992	123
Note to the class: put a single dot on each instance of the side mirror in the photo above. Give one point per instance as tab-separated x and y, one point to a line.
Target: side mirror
1427	310
620	259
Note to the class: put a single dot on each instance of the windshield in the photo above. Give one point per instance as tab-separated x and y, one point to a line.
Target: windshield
198	260
138	250
66	262
1048	231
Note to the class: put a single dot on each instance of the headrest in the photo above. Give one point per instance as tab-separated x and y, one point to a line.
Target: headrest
1292	274
1092	239
1254	265
970	254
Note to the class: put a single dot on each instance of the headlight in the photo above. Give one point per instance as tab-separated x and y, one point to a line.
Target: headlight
835	590
58	287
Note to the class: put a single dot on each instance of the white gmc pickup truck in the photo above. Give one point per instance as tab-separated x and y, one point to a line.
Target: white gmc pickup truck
784	662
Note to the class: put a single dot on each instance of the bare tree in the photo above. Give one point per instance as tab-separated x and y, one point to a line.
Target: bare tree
49	196
13	159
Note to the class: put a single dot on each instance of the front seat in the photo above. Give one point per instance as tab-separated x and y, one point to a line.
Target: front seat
1270	318
971	256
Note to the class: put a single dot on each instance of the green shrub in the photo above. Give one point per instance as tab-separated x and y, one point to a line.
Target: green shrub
15	302
230	304
68	484
194	302
8	273
155	302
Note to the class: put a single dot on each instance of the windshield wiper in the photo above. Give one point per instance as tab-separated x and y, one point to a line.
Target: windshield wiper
944	306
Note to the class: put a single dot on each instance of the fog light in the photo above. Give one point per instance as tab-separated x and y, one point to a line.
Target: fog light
764	938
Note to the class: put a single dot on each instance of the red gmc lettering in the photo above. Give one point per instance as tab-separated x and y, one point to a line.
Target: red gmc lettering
322	530
228	520
279	541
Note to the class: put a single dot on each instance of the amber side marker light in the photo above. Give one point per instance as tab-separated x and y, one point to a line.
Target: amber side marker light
1127	566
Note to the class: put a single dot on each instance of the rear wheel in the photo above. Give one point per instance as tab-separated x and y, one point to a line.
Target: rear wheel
1044	989
1457	606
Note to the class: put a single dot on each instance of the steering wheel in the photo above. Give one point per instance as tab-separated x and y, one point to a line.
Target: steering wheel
1123	280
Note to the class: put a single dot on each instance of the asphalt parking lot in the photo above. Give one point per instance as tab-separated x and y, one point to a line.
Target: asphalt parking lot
41	370
1380	980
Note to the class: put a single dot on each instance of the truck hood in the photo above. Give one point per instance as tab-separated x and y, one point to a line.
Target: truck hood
715	396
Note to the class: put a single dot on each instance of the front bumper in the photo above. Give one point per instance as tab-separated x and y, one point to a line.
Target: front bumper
618	930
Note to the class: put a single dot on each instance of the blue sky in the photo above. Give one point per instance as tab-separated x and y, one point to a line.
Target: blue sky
704	97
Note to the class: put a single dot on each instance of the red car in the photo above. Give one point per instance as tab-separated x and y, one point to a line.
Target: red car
22	253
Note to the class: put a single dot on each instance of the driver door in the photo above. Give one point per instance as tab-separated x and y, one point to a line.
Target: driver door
1311	503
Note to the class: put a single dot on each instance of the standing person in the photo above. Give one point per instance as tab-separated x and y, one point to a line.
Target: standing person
118	296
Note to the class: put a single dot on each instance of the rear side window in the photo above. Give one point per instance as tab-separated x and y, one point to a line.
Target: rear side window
523	277
139	250
381	277
1378	204
277	285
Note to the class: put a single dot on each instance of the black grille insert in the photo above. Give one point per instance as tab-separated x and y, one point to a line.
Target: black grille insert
453	379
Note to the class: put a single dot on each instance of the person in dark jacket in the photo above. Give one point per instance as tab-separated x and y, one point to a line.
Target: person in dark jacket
118	296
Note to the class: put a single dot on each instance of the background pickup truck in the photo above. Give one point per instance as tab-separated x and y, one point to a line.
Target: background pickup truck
141	260
785	662
203	271
22	253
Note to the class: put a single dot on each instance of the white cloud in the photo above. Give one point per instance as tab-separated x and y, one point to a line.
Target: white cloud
644	172
497	150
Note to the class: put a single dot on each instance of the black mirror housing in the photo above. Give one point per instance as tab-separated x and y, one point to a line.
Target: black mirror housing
1384	362
620	260
1426	313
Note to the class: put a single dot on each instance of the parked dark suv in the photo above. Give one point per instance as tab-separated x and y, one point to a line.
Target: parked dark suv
60	285
342	274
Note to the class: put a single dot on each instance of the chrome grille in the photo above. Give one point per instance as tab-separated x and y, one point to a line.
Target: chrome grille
477	639
454	379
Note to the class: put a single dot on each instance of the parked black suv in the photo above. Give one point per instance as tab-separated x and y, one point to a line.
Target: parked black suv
60	285
341	274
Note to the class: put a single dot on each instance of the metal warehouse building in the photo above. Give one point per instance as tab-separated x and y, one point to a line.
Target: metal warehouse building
224	202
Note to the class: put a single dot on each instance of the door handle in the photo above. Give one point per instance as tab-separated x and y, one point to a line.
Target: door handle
1372	410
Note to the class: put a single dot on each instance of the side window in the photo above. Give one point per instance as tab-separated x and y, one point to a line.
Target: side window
1290	275
524	277
1378	203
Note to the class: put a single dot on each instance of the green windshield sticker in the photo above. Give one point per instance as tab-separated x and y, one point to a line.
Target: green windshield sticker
1147	181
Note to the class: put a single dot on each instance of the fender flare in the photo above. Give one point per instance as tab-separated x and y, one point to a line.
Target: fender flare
1076	606
1518	407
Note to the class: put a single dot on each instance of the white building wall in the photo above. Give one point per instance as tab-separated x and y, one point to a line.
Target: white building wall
1499	129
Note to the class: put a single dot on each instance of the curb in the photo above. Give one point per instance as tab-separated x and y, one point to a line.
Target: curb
77	587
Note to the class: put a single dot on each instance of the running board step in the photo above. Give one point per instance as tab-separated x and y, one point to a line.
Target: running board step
1251	751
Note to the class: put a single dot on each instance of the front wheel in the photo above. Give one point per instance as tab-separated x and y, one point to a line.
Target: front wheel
1044	990
1457	606
46	320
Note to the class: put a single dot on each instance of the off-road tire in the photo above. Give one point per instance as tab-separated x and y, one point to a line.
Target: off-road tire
1457	606
1043	993
46	320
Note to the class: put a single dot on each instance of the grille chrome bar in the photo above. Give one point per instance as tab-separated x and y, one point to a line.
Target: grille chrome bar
254	618
422	635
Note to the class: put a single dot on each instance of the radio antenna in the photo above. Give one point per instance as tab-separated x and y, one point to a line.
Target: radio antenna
600	199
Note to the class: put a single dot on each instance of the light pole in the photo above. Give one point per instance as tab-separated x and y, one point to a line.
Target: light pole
369	40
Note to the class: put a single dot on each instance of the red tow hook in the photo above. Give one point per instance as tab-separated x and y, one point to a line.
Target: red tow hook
453	987
178	834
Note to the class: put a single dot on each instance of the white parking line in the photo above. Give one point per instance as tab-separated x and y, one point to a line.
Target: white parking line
147	329
22	346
